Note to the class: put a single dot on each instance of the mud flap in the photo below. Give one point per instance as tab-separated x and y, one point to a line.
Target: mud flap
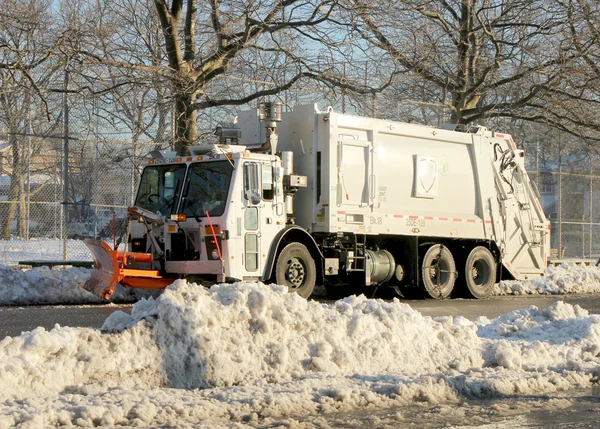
106	273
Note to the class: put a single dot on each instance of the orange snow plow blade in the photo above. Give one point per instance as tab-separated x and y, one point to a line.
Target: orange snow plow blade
109	270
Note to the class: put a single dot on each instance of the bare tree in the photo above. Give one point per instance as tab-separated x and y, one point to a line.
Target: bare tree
27	62
220	53
476	59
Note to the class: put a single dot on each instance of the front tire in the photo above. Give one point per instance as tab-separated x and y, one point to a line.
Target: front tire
438	272
480	272
296	269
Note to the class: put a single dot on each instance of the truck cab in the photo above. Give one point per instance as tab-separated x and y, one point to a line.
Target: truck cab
221	207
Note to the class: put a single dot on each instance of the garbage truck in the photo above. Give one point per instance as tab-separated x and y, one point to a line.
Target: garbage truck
311	197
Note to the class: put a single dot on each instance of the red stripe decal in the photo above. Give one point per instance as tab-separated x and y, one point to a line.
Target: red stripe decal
471	220
457	219
488	221
339	212
399	216
413	217
428	217
443	218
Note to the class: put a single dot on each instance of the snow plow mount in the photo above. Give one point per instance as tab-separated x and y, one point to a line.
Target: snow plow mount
110	268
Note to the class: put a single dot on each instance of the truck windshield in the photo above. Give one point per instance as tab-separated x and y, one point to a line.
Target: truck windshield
206	188
160	188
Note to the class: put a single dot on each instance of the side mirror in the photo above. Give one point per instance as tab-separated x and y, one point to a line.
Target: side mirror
254	198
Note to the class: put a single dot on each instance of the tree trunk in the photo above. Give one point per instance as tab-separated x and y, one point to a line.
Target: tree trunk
186	128
15	191
12	211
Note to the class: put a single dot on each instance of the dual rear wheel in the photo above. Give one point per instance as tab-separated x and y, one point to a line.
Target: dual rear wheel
439	273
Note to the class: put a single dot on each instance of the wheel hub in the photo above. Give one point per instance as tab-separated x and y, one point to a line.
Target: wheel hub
295	273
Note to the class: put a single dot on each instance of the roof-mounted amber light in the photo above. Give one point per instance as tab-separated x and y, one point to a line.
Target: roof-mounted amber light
175	217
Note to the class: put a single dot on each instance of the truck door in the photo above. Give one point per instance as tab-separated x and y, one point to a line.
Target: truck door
355	173
262	215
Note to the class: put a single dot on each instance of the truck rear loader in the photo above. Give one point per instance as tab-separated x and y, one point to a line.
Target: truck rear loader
317	197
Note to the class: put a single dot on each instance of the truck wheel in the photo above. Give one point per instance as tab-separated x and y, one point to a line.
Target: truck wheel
438	272
480	272
295	268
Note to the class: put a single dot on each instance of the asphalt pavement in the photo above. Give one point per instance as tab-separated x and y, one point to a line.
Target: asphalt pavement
15	320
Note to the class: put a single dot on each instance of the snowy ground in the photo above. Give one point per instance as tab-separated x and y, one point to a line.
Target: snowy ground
13	251
257	355
565	278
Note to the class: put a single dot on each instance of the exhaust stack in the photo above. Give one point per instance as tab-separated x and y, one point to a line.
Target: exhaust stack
269	113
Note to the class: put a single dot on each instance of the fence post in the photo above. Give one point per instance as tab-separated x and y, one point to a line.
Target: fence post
28	194
559	208
66	162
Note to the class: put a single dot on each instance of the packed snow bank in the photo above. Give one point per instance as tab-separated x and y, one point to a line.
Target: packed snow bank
42	285
562	279
258	353
239	334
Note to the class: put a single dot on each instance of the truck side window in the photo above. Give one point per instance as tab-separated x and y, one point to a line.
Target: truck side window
267	182
251	182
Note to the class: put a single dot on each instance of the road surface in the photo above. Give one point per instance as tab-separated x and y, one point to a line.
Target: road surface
14	320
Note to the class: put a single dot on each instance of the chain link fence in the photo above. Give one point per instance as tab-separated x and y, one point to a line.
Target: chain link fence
57	191
572	203
63	181
47	223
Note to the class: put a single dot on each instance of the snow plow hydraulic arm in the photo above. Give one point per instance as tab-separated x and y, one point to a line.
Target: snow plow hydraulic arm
110	268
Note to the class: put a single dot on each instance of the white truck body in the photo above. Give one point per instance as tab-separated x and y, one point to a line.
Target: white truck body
391	178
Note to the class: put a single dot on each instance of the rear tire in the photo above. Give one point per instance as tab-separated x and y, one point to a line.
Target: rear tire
480	272
295	268
438	272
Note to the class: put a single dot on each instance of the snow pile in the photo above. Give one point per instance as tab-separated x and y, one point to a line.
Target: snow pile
41	363
42	286
239	334
562	279
260	354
